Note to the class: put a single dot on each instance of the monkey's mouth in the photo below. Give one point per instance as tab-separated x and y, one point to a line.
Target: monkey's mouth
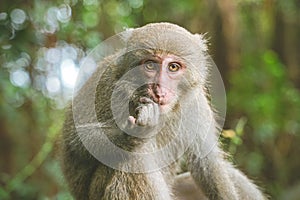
159	101
157	98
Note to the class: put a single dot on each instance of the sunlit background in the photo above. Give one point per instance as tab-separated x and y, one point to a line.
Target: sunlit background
255	44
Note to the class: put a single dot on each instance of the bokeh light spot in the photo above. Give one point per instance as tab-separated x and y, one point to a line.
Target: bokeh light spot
53	84
20	78
18	16
69	73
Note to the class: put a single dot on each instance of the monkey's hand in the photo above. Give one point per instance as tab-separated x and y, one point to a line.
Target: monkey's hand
147	113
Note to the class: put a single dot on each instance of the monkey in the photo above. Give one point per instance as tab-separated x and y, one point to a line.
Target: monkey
142	109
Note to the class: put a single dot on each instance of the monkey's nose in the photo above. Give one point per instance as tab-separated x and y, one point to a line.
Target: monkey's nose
161	95
160	91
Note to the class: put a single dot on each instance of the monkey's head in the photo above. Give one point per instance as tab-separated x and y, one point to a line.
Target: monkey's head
171	60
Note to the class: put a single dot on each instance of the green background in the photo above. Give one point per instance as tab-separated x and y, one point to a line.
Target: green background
254	43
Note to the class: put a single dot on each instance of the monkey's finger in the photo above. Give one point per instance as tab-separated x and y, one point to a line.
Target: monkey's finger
153	111
131	120
139	109
156	113
146	100
150	115
142	116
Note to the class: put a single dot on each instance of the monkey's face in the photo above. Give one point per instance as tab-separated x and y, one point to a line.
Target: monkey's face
171	62
163	72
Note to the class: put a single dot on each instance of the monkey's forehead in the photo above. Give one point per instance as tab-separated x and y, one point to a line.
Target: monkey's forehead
163	26
168	37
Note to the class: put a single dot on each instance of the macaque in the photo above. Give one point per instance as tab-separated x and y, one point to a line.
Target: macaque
143	109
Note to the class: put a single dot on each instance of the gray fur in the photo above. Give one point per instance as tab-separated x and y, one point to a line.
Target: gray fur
89	179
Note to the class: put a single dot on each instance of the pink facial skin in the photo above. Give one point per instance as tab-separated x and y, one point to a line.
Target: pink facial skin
165	72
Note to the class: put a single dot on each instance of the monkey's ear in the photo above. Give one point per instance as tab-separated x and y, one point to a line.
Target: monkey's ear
201	41
125	35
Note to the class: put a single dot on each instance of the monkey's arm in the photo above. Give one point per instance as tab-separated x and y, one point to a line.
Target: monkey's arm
84	174
212	175
78	165
220	180
83	133
245	187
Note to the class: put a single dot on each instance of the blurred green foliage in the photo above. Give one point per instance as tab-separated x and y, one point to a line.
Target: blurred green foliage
272	106
255	44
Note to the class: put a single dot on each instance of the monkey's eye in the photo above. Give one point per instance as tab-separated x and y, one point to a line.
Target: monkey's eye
150	65
174	67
